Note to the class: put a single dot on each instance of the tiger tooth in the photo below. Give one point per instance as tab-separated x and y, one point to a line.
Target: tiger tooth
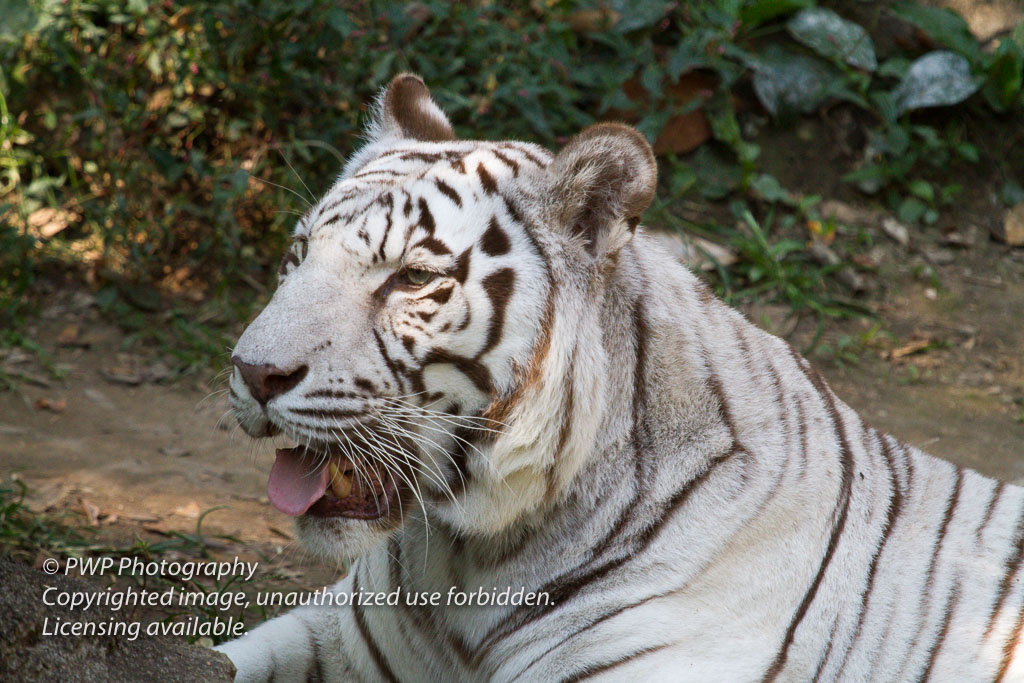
341	484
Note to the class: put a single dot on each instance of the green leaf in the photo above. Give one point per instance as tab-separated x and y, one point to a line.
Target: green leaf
922	189
937	79
870	172
635	15
1005	76
760	11
894	68
768	188
968	152
788	82
1011	193
717	176
943	25
833	37
911	209
19	19
340	21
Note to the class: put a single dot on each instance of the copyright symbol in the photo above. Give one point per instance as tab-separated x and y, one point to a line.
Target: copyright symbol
51	566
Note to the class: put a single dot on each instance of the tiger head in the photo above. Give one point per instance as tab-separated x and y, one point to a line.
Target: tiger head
434	344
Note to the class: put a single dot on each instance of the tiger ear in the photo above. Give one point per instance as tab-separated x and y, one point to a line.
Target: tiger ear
602	181
406	110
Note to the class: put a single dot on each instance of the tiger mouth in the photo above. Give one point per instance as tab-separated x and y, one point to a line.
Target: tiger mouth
323	483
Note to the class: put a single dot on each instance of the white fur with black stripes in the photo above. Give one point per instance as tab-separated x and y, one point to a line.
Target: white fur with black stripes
696	501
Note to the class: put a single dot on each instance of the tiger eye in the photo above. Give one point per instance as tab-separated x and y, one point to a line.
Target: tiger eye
418	276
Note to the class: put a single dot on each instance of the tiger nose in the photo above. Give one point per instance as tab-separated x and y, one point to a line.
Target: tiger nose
266	381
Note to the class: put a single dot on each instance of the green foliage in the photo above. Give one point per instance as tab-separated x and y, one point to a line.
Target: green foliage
781	270
176	140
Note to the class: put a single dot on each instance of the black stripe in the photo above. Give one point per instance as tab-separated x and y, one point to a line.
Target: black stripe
1009	646
447	191
992	503
947	618
940	536
828	651
371	645
895	506
426	218
498	286
433	245
326	413
568	417
473	369
593	624
392	367
494	241
1012	565
508	162
592	671
842	508
317	674
389	202
486	179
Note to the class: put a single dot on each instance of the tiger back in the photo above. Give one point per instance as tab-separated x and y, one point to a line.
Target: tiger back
495	380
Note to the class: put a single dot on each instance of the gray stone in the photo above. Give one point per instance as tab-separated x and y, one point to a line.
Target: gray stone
26	654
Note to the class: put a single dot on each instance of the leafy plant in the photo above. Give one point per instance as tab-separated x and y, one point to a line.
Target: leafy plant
171	143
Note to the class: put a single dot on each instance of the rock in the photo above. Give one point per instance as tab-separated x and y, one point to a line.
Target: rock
937	255
27	654
896	231
848	214
175	451
99	398
963	239
1012	230
848	276
694	252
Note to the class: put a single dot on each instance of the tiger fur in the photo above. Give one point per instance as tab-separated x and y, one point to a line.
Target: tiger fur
564	408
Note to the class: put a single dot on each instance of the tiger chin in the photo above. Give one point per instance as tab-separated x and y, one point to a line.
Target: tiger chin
494	379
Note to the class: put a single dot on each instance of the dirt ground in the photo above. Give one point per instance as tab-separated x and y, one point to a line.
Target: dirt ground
155	456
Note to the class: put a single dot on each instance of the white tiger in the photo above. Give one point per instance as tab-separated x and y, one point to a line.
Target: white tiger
498	380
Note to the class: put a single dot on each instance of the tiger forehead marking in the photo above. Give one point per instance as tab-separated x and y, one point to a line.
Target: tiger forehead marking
423	183
495	378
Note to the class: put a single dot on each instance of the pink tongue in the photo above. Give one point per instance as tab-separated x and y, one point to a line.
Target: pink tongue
293	486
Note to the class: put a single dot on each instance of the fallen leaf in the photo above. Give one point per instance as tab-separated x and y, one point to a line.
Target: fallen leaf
160	99
593	20
684	132
120	374
41	557
191	510
916	346
69	335
47	222
92	512
1012	229
54	406
144	519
